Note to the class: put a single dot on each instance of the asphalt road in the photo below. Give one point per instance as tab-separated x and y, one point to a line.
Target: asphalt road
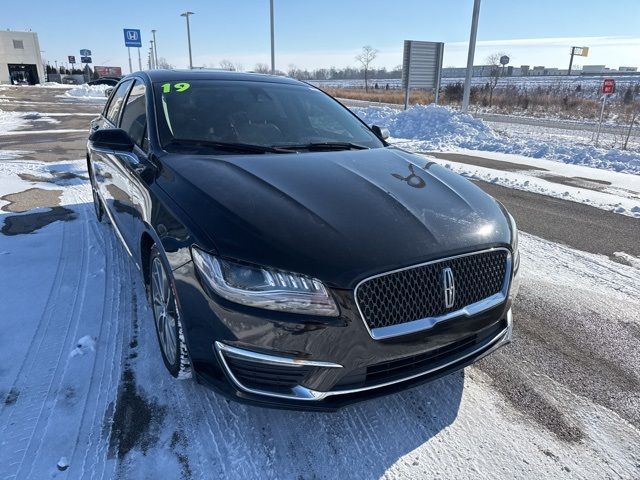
566	334
574	224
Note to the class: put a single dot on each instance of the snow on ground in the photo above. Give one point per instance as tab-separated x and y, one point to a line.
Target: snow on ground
11	121
55	85
88	91
104	406
433	127
565	131
15	121
607	190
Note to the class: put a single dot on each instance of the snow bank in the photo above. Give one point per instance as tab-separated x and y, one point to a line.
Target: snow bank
442	128
11	121
55	85
88	91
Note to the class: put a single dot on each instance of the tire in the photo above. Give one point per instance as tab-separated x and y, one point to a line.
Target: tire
166	316
97	205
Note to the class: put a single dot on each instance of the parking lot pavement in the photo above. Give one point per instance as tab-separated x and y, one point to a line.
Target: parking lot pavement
81	375
57	125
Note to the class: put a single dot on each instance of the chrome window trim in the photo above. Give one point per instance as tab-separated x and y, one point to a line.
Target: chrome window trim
306	394
421	324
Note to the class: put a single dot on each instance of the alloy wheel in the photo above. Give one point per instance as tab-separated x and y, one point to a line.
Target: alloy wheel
164	310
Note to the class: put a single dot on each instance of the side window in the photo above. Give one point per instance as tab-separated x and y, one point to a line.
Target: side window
116	102
134	118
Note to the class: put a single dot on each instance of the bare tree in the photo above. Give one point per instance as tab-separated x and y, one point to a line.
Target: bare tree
366	58
262	68
495	72
633	116
227	65
162	63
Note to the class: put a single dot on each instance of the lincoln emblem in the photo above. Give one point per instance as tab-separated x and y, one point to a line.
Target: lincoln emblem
449	287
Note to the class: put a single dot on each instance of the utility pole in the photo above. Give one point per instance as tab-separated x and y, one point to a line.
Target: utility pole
139	60
153	65
155	48
186	15
273	48
472	50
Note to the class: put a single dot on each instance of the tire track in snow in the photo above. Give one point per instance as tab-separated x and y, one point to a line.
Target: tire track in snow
97	416
74	323
34	381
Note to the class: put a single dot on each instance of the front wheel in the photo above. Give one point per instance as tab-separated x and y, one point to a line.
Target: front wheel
97	204
167	318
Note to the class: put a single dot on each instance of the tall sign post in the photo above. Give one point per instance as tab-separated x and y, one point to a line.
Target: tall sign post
155	49
470	54
608	87
72	61
132	38
273	48
421	67
580	52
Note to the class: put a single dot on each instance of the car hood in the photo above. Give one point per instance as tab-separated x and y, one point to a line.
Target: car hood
337	216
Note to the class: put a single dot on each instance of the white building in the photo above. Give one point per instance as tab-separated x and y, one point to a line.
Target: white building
20	59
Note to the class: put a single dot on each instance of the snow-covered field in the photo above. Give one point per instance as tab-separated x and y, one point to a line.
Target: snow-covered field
589	84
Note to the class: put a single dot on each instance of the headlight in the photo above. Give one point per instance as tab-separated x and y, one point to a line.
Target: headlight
514	243
515	280
264	287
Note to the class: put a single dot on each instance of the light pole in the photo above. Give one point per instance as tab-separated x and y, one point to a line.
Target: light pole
153	65
186	15
472	50
273	48
155	48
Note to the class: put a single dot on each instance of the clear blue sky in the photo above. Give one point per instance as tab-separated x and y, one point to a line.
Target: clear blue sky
330	32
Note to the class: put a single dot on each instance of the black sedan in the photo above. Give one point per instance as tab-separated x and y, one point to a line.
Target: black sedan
292	257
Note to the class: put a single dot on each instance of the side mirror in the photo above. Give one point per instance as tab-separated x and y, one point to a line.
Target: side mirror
112	139
107	92
380	132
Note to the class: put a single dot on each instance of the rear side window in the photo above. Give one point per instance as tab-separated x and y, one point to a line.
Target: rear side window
134	118
116	102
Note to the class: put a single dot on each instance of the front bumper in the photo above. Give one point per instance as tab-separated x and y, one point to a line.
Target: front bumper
302	393
281	360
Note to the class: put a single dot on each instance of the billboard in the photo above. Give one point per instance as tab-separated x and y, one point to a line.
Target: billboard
103	71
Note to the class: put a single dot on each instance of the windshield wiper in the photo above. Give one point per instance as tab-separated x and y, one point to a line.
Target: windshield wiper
228	146
322	146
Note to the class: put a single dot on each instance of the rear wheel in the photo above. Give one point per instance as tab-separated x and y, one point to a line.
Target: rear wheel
167	318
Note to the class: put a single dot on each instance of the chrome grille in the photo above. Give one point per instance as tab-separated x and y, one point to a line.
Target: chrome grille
416	293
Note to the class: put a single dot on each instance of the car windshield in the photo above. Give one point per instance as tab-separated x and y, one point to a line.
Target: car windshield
255	117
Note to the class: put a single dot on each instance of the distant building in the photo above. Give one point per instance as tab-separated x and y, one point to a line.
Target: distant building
594	69
627	69
20	60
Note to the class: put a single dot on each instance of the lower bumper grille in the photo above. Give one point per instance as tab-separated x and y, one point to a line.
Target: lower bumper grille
266	377
407	366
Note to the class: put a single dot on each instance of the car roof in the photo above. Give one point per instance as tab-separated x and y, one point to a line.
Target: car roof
210	74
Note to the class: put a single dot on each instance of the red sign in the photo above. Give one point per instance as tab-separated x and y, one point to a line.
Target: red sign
108	71
608	86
